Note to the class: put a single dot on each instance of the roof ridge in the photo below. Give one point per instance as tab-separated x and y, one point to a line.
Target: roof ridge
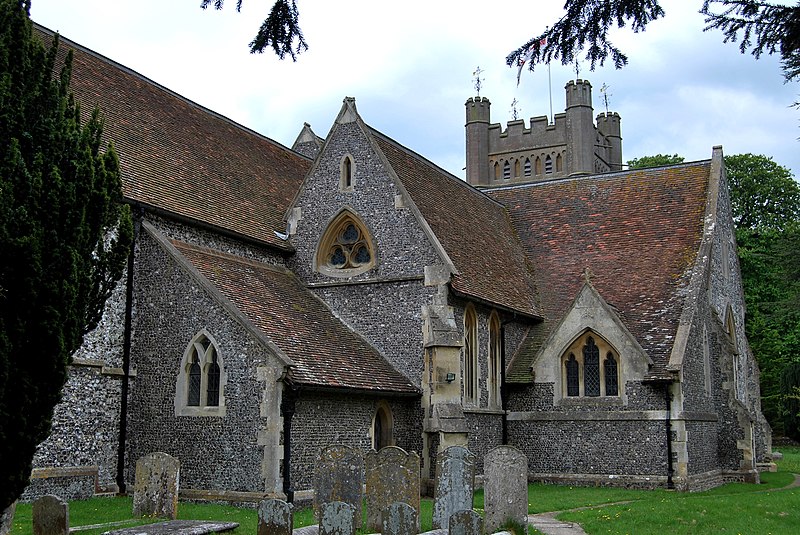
209	111
431	164
594	176
230	256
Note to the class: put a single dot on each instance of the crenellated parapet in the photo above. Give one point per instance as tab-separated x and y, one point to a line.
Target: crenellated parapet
571	144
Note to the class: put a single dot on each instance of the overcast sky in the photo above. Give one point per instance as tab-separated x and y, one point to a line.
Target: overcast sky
409	65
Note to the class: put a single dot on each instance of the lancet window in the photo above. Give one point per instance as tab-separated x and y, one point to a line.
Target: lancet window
585	374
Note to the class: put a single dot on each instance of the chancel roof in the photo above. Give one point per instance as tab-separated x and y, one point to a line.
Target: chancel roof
475	232
635	235
325	352
183	159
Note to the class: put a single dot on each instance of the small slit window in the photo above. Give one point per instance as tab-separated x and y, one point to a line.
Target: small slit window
346	248
346	180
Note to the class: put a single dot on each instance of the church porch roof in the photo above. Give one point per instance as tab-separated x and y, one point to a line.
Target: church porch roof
325	352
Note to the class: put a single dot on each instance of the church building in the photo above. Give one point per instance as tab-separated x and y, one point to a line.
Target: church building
348	290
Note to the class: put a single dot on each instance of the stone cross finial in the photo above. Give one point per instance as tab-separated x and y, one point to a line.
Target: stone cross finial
477	80
587	275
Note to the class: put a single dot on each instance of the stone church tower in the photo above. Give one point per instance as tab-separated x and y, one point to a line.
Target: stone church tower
572	145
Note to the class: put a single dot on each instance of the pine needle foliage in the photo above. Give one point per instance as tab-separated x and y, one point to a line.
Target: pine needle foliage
64	236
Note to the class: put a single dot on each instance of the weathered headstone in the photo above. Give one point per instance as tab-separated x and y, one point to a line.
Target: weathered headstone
7	518
339	477
275	518
455	484
466	523
50	516
336	518
392	476
400	519
155	492
505	487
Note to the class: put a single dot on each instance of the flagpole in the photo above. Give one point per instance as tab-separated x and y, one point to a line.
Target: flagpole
550	89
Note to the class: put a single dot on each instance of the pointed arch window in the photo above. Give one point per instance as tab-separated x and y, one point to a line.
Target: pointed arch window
494	379
346	248
201	379
559	163
470	356
538	166
516	168
584	374
548	165
506	170
496	170
527	167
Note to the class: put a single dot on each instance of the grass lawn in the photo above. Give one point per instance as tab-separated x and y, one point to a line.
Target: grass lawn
734	508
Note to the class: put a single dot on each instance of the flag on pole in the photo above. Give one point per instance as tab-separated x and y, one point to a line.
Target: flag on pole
526	56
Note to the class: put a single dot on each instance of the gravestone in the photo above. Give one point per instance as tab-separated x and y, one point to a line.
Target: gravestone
466	523
274	518
400	519
392	476
50	516
339	477
505	487
336	518
455	484
155	492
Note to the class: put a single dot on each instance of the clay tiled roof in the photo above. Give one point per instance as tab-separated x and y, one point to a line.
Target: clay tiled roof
181	158
638	232
475	231
325	352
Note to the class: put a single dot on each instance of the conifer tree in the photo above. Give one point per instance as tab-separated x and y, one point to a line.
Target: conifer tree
64	237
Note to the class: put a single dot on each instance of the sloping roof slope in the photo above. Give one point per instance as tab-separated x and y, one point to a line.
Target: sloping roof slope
184	159
475	231
637	232
325	352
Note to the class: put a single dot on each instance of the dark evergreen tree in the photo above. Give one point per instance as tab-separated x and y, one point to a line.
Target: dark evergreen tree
760	27
279	30
790	388
64	237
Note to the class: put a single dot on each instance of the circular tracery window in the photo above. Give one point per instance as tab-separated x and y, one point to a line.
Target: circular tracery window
346	248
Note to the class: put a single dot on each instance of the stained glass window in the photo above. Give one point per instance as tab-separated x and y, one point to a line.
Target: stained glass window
212	397
195	378
591	368
573	382
345	246
612	383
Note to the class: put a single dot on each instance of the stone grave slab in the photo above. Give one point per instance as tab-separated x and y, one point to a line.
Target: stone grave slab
339	477
50	516
455	484
178	527
336	518
392	476
155	491
505	487
275	518
399	519
466	523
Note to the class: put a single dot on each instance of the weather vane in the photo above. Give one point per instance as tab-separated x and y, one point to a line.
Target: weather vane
477	79
604	90
577	69
514	110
